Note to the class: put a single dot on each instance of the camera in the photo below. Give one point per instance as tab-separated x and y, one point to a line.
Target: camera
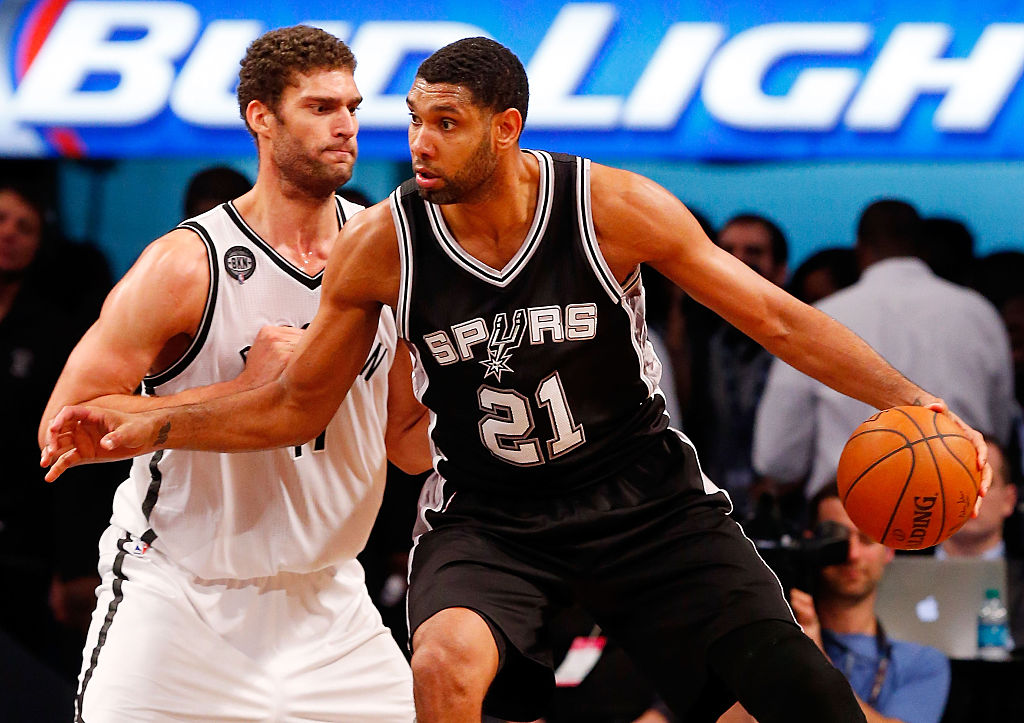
797	559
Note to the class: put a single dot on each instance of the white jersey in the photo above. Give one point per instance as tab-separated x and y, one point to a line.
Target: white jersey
256	514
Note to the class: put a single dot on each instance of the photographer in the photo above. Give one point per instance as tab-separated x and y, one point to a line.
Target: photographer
894	680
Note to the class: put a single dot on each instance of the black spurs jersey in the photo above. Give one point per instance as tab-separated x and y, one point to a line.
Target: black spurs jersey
539	376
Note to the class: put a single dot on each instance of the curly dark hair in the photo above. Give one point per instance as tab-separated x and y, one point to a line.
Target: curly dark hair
272	60
491	72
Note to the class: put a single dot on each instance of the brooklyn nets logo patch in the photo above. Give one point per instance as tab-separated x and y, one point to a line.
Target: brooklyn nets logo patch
240	263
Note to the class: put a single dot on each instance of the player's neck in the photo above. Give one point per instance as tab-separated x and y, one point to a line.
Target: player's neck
503	211
290	221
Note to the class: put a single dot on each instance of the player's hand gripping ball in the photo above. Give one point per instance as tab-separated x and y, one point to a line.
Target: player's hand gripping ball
908	477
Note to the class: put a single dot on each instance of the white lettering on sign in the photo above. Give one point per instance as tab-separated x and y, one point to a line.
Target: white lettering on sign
557	68
79	46
381	48
205	91
733	87
672	77
140	44
974	88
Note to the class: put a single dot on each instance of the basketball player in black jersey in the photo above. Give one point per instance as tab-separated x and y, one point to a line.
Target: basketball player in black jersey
514	276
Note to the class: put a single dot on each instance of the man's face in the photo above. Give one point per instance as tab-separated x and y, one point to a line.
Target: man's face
450	143
751	243
313	132
859	576
997	505
20	234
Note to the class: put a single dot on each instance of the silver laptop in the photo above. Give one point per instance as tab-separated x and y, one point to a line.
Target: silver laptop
936	602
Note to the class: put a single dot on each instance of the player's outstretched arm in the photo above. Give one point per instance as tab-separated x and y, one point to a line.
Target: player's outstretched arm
361	274
639	221
64	437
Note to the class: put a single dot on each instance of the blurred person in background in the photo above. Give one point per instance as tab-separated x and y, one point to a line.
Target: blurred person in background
894	680
48	533
733	375
946	337
211	187
947	246
823	273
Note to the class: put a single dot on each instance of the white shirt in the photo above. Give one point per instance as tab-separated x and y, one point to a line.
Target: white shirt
946	338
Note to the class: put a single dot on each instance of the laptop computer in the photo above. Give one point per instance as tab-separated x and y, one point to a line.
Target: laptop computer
936	602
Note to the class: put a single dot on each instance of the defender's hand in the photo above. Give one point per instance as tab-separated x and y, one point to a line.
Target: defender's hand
268	355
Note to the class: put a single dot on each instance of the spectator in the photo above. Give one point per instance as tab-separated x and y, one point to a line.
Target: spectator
213	186
984	536
894	680
735	369
687	328
947	246
824	273
48	533
942	336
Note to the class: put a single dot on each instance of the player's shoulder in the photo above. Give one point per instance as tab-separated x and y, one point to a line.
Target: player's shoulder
180	256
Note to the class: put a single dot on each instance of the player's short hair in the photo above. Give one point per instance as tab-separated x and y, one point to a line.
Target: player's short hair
273	60
489	70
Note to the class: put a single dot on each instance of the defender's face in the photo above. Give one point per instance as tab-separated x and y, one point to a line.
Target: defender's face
20	233
313	142
450	143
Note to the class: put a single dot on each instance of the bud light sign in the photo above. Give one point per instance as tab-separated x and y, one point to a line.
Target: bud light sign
788	80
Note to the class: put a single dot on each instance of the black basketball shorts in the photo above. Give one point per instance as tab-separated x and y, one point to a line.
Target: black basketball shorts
650	552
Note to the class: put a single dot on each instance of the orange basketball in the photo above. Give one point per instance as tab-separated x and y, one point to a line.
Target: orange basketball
908	477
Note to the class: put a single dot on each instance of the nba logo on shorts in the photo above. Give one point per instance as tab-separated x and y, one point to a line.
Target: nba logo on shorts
136	548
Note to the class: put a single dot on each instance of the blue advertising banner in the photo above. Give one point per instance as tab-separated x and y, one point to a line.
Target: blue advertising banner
786	80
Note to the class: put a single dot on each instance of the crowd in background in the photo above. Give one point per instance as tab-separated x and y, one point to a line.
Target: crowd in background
912	287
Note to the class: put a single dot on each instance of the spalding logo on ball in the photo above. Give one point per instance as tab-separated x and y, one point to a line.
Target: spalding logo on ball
908	477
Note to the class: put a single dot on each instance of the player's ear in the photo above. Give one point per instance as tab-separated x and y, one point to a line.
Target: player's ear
506	128
258	115
890	555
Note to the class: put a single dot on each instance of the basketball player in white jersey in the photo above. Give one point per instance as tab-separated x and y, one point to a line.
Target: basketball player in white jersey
231	589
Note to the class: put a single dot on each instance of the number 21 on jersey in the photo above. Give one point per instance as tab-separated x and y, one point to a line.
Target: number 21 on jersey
506	427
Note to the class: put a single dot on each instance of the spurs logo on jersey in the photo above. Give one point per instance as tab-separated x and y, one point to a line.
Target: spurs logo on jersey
501	341
545	324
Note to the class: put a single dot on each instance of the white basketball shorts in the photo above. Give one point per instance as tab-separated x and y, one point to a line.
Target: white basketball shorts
166	646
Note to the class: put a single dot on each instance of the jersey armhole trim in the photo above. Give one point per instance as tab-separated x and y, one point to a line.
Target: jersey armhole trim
585	217
405	256
199	339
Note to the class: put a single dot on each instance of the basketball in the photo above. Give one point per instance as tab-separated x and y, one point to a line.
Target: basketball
908	477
